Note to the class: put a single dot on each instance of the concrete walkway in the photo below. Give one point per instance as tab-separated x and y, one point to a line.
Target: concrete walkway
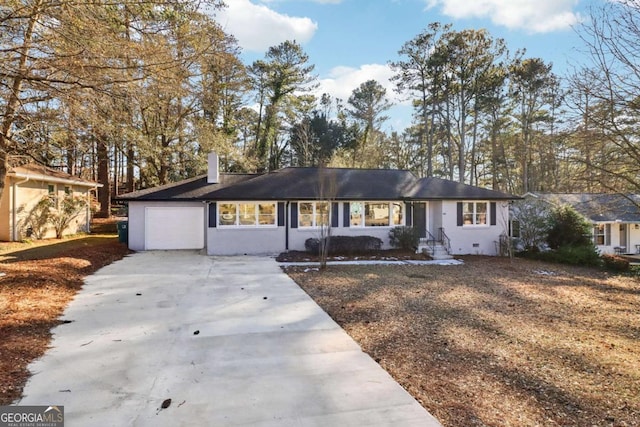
232	341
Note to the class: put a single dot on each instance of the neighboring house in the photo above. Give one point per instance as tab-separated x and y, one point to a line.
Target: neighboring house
278	211
26	186
615	218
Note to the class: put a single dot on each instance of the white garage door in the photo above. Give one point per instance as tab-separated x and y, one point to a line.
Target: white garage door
174	228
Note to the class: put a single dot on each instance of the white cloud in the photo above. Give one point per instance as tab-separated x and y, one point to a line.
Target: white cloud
342	80
256	27
539	16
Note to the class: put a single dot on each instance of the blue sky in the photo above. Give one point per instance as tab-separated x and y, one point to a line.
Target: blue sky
352	41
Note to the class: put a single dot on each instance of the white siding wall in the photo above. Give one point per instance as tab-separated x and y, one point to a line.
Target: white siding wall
247	240
255	240
633	239
479	240
297	236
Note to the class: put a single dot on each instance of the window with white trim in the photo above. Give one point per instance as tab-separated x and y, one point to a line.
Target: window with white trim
602	234
375	214
251	214
313	214
475	213
267	214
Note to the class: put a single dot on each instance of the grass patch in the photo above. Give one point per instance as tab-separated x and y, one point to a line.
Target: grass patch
496	342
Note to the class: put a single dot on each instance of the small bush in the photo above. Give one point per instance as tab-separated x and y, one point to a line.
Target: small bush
404	237
572	255
345	245
615	263
312	245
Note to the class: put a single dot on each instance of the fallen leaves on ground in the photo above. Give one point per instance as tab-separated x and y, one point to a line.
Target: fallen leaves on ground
33	295
495	342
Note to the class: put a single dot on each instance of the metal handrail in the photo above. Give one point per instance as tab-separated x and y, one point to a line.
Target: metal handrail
431	242
446	241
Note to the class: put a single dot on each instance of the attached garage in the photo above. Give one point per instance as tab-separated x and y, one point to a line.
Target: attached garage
166	226
174	228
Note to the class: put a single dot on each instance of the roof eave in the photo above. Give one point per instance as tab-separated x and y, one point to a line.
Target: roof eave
47	178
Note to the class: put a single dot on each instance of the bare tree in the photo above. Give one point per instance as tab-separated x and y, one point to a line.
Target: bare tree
327	190
611	117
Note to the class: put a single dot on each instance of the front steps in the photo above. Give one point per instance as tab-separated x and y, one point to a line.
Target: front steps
435	251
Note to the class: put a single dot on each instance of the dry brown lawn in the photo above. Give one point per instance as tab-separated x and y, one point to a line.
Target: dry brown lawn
40	280
496	342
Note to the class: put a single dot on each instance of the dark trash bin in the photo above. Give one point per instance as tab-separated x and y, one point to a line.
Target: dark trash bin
123	231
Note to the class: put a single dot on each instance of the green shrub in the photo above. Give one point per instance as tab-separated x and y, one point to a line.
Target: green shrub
345	245
573	255
615	263
37	220
568	228
404	237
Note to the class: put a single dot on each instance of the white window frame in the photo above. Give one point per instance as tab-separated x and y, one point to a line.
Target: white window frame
390	211
256	214
314	214
475	214
604	233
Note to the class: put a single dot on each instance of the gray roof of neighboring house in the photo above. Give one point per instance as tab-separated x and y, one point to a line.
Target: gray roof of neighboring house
303	183
598	207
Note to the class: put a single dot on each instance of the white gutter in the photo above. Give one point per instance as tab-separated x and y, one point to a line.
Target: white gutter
49	178
14	214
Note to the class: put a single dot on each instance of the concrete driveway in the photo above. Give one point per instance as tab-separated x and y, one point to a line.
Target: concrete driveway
232	341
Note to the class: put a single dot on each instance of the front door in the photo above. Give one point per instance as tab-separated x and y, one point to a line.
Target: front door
623	235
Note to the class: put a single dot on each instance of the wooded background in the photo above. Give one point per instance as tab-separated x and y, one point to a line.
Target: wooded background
135	93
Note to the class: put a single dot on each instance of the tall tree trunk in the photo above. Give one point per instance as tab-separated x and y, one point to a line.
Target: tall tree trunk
130	171
474	138
104	192
71	160
163	171
14	96
264	143
116	181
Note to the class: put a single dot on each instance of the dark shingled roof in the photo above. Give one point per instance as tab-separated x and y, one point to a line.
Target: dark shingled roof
598	207
188	189
436	188
303	184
